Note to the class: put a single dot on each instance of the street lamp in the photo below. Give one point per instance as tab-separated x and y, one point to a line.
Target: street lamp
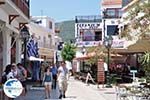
104	20
24	33
108	40
83	52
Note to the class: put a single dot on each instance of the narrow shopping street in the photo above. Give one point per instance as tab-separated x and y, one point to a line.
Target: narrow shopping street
76	91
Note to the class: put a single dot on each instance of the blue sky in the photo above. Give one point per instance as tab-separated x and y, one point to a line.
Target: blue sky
61	10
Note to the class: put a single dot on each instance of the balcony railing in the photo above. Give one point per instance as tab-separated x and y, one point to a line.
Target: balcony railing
23	5
112	13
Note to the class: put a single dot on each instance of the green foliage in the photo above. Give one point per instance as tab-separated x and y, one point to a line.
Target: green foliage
145	60
142	24
68	52
113	79
98	55
139	23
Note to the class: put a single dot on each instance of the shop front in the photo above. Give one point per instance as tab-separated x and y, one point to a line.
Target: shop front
46	54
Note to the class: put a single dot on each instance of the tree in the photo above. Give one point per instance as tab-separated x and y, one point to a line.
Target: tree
99	54
145	60
68	52
138	18
139	26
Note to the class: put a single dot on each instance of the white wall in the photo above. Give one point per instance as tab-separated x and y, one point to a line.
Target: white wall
45	23
6	47
5	10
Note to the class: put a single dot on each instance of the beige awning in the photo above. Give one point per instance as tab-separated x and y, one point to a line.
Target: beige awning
140	46
49	53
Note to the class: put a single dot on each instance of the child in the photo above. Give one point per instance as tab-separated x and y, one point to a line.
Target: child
47	79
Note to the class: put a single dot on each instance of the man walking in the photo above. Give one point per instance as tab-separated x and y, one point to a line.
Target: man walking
62	79
54	74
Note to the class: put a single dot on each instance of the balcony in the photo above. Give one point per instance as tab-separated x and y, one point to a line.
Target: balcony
23	5
112	13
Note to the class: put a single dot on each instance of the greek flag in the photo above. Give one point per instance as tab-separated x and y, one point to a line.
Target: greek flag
32	48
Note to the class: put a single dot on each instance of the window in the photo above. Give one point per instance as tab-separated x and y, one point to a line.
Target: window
112	30
92	35
98	35
88	35
119	13
44	41
111	12
50	25
39	37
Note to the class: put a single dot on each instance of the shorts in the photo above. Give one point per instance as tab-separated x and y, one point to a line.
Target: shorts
63	85
47	83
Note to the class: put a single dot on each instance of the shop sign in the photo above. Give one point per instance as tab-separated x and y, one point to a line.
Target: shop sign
88	43
13	88
118	44
89	26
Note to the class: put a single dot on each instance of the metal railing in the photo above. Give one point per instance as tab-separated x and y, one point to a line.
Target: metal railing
91	18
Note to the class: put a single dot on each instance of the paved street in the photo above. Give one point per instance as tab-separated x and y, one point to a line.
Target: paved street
76	91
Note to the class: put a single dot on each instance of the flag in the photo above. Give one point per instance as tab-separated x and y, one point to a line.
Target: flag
32	48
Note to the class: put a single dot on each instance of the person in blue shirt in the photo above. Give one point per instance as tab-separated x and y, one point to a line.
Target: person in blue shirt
54	74
47	80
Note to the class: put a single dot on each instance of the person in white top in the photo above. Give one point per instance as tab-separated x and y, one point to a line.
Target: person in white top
8	72
62	79
105	67
106	70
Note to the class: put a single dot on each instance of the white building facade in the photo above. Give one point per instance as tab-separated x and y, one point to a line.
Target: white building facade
12	18
43	29
88	33
91	30
112	13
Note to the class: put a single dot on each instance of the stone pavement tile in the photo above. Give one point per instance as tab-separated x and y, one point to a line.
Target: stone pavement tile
76	91
38	93
107	93
80	91
32	95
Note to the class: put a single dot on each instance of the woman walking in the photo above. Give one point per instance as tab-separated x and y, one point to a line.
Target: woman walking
47	79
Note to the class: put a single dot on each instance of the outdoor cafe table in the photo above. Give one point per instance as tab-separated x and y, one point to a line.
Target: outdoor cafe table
136	92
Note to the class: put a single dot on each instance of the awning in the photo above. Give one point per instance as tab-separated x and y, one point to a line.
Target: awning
140	46
31	58
92	54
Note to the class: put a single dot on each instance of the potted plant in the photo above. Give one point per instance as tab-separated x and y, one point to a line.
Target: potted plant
145	60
